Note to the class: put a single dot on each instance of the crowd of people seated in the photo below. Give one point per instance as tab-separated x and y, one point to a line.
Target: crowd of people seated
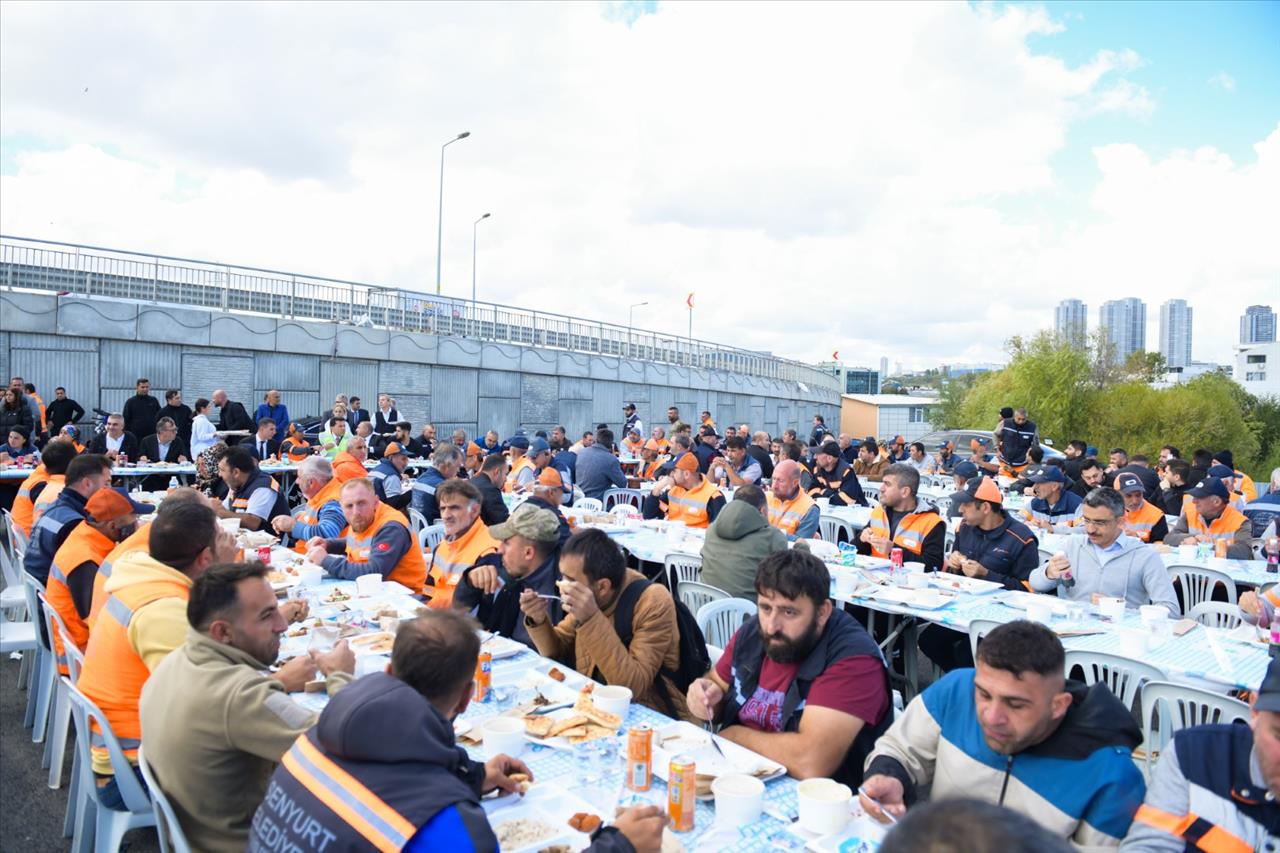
178	629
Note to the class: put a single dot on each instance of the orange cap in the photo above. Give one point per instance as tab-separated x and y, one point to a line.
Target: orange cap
687	461
474	449
652	444
393	448
108	504
551	477
987	490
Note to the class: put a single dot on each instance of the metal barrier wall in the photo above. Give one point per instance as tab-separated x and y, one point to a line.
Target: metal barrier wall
94	271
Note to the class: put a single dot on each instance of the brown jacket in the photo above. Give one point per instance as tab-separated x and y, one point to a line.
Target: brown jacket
873	472
655	642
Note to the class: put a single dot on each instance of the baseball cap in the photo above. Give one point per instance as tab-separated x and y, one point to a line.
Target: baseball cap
652	444
633	431
1129	483
550	476
71	430
1210	487
1045	474
1268	698
519	441
830	448
108	504
1221	471
965	469
708	429
474	449
687	461
531	522
539	445
629	407
1226	458
978	443
394	448
979	489
947	445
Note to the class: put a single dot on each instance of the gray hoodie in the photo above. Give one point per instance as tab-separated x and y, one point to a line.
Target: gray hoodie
737	541
1136	572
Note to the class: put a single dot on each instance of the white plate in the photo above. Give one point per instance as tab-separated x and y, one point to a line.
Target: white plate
461	726
696	742
964	583
549	805
1019	600
502	647
559	741
920	599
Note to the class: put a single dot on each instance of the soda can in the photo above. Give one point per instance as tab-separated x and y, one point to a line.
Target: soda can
1220	547
484	676
682	792
640	757
264	555
895	557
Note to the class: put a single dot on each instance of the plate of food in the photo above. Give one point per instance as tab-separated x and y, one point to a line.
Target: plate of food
377	643
545	819
684	738
502	647
964	583
251	540
569	727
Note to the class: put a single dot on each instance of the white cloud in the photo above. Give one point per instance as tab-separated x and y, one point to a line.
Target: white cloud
824	176
1223	81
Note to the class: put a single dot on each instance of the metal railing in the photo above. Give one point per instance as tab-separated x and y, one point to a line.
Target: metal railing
93	271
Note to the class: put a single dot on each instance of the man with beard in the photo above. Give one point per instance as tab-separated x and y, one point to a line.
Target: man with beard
378	541
1091	476
800	682
834	479
790	509
215	721
1016	732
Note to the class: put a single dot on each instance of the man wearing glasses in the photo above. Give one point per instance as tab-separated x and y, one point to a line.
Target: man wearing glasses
1105	563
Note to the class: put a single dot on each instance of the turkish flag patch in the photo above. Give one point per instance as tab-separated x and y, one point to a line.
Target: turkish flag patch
383	546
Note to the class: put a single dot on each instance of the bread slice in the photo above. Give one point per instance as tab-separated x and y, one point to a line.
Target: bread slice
566	724
538	726
588	709
593	732
574	734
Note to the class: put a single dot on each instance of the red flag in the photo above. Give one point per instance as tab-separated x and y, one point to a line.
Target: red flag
689	302
835	355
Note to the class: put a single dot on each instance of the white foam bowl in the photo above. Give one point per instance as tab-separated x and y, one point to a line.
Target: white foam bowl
502	736
823	805
739	799
613	699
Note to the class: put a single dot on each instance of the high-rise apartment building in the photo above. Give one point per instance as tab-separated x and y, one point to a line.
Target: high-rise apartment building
1258	325
1124	322
1175	332
1071	322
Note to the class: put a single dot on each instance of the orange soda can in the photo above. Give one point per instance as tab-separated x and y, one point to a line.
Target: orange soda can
1220	547
682	792
640	757
484	675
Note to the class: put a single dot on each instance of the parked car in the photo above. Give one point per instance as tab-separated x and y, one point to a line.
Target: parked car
962	438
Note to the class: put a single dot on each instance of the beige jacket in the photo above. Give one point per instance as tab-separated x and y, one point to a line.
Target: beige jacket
214	725
655	643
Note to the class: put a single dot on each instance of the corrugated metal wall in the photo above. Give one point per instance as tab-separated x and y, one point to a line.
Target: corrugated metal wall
350	377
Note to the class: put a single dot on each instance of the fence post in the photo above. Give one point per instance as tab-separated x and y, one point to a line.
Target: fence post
155	281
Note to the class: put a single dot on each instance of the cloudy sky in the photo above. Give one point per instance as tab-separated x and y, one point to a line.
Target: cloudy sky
910	180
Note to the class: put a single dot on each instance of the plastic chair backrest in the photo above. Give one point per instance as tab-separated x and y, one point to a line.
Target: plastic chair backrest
617	497
83	710
1198	583
720	619
430	536
978	629
834	530
9	569
589	504
1173	707
1124	676
416	520
1216	614
17	538
682	567
695	594
75	656
948	543
53	622
34	591
167	826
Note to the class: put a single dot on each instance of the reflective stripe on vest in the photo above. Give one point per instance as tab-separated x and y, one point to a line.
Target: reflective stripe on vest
85	545
1143	520
1222	527
1195	830
690	506
412	568
47	498
139	540
911	533
23	510
786	516
344	795
449	559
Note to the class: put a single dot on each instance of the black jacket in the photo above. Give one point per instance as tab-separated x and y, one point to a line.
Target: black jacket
59	413
140	414
182	416
385	426
19	417
762	456
150	448
493	509
251	444
233	416
129	446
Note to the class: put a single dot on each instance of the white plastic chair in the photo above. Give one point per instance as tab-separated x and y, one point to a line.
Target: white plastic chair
720	619
978	629
55	743
948	543
1198	583
167	826
75	663
616	497
682	567
589	504
695	594
1216	614
835	530
430	536
1125	676
417	520
11	597
45	673
19	541
1177	706
109	826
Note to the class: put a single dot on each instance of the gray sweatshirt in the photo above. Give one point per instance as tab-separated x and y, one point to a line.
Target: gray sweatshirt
1135	572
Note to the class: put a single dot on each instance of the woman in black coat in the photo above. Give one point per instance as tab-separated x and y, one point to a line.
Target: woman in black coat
15	413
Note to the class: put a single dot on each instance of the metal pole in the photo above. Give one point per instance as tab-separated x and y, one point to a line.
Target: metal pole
631	313
474	228
440	213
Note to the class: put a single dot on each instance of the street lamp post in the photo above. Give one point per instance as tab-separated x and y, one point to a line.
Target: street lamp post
474	227
440	214
630	314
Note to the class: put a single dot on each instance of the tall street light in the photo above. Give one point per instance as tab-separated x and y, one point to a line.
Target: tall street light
440	217
630	314
474	227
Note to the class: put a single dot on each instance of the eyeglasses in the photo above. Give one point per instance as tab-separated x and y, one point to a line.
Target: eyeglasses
1098	522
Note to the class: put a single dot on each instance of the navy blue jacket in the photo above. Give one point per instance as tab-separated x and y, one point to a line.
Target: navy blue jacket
424	494
1010	553
52	530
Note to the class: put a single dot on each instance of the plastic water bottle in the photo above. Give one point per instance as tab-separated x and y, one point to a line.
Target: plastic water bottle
173	483
1273	554
1273	648
1204	550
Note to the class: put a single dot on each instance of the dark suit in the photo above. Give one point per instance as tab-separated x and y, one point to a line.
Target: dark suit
232	417
383	426
251	444
355	417
129	447
493	510
150	448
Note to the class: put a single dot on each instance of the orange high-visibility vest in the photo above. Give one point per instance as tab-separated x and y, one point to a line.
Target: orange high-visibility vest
114	672
1143	519
85	545
690	505
411	570
522	463
651	470
1223	527
23	509
53	488
787	515
912	529
450	558
138	540
1214	840
309	512
347	467
296	449
633	447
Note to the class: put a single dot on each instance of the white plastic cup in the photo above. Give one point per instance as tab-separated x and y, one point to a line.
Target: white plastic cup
845	583
822	502
914	567
503	736
1040	611
917	580
368	585
1112	609
231	525
613	699
739	799
310	575
823	804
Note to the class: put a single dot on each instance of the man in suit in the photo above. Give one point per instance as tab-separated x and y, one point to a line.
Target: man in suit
264	444
231	416
115	442
164	446
386	417
357	415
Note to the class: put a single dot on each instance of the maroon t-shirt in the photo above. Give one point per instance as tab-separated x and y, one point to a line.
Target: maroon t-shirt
854	685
